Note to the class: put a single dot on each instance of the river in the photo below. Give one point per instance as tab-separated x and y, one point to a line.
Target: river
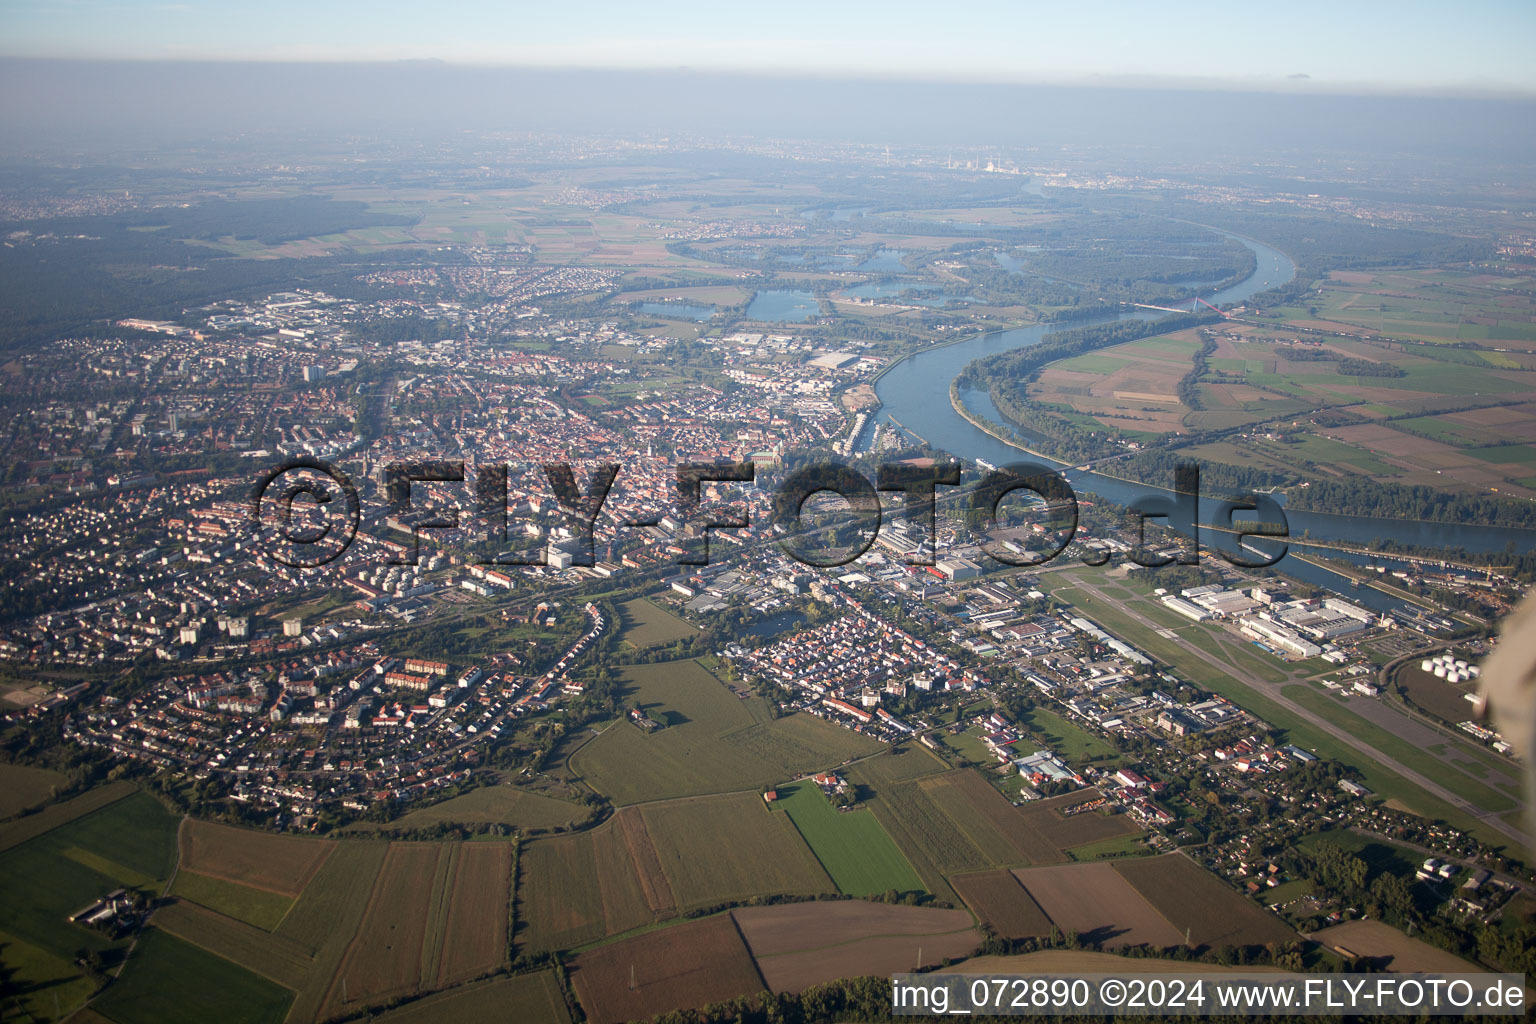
914	394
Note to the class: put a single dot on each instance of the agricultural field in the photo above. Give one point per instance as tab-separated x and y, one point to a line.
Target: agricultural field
130	842
712	742
1083	961
1068	831
261	908
1395	950
1002	903
1118	846
304	951
1199	905
22	787
722	848
852	846
508	805
437	915
261	860
647	624
577	888
1000	830
686	965
1096	902
1131	387
168	981
927	835
472	937
899	764
1437	306
30	826
40	984
797	945
524	998
366	921
385	957
277	959
1446	405
324	920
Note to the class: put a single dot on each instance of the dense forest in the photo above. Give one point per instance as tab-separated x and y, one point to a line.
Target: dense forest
153	263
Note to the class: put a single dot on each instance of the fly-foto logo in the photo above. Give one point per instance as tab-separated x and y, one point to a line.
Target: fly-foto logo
318	530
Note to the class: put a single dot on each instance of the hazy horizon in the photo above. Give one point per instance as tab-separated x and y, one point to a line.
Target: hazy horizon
1310	46
83	104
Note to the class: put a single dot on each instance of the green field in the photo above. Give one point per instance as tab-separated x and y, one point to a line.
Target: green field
724	848
496	805
40	984
1068	740
30	826
1422	761
258	907
851	845
45	880
1115	846
523	998
713	740
968	744
167	981
647	624
1378	854
921	826
22	787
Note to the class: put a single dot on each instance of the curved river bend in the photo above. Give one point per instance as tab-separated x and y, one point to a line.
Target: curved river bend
915	394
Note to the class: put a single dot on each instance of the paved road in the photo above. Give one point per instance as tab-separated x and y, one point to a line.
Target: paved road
1273	692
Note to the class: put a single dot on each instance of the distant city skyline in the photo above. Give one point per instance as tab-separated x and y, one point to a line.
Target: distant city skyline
1303	46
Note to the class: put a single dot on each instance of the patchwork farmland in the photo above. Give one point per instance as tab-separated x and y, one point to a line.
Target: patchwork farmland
851	845
260	860
1099	905
712	741
682	966
798	945
1003	904
1199	905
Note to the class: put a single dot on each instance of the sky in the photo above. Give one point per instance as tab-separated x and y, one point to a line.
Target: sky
1478	46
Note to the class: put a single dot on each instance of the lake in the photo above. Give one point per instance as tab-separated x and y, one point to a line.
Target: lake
783	306
676	310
